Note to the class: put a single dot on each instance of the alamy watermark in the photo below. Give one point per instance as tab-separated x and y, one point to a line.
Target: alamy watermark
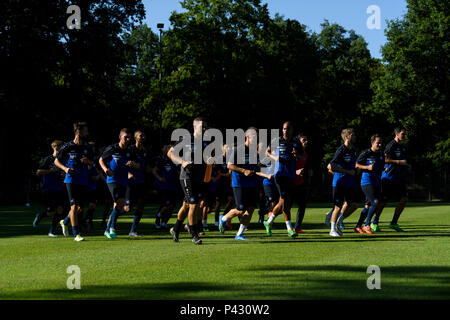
374	21
209	147
74	280
374	281
74	20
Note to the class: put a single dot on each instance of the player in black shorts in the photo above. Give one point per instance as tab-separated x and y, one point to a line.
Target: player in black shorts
371	163
191	179
74	158
284	175
136	182
116	162
244	183
343	166
393	179
53	190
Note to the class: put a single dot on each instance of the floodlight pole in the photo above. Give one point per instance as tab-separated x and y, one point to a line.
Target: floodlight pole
160	26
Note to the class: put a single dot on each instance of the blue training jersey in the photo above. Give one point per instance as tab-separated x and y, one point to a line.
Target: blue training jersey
344	158
239	179
70	155
285	166
367	158
115	159
394	172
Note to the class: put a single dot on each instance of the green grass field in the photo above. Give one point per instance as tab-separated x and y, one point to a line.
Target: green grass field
414	264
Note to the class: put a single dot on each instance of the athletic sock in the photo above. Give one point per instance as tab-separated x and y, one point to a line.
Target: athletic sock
241	230
54	224
362	217
376	219
41	216
271	218
75	231
112	220
333	226
66	220
224	219
370	214
177	226
136	220
289	225
193	231
205	223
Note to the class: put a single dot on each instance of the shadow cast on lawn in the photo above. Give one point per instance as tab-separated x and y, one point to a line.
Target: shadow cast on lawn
351	284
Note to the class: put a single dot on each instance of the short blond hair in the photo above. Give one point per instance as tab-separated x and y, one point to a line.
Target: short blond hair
346	132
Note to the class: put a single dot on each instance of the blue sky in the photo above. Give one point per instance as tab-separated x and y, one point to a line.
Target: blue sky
351	14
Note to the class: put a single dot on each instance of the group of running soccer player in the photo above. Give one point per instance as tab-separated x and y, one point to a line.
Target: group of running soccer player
273	183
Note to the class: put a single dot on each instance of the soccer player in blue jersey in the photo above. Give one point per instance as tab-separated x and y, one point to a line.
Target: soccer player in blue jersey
284	175
343	166
191	180
136	185
244	174
116	161
166	179
74	158
371	163
393	179
52	188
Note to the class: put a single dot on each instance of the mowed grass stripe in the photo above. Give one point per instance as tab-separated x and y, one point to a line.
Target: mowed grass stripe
414	264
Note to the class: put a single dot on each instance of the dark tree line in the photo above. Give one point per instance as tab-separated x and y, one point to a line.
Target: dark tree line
227	60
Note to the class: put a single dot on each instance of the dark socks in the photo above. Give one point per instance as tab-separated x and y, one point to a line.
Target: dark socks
55	221
112	220
136	220
370	214
41	216
362	217
177	227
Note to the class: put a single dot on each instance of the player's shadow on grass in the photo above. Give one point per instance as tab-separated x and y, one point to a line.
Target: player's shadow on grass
330	282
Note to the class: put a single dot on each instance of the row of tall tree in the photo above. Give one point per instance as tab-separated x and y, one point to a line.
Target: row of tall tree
228	60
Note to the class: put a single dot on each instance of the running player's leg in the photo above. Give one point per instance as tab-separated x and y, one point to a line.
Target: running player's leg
249	197
239	210
300	196
118	194
181	216
362	217
339	199
137	193
402	193
372	198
